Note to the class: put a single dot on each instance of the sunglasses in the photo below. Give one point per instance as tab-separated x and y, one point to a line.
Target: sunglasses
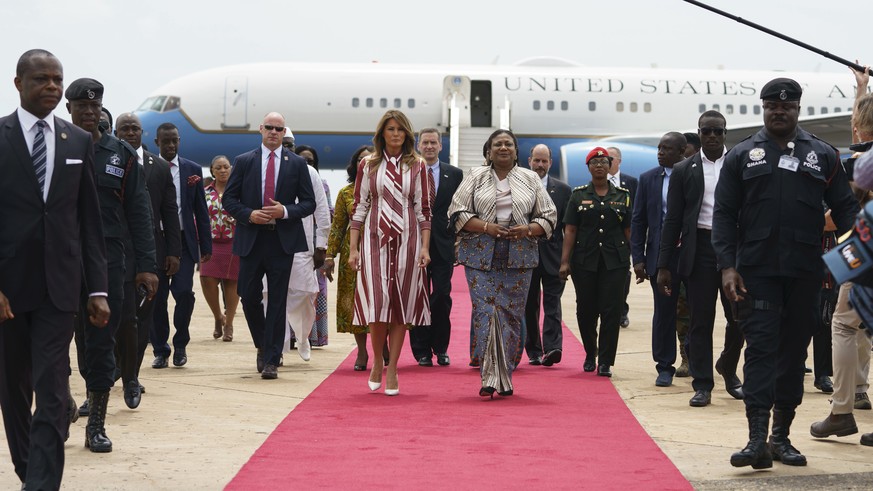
277	129
712	131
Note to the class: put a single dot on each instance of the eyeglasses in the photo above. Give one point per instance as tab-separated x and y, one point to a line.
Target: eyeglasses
288	145
712	131
277	129
602	162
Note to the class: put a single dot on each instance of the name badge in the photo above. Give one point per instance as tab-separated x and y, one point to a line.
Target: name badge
115	171
788	162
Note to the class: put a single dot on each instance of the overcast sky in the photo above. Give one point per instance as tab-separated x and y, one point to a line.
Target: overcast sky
135	47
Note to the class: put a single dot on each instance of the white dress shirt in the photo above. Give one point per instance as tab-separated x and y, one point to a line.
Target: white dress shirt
615	179
265	158
545	181
174	170
435	169
139	154
666	185
711	170
28	126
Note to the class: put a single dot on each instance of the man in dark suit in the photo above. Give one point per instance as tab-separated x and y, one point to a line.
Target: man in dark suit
650	208
132	342
687	232
546	351
427	341
268	193
51	239
196	247
630	183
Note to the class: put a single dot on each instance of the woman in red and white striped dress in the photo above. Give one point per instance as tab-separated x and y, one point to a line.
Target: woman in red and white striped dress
389	243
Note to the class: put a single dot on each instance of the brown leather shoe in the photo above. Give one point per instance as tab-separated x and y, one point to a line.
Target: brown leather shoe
228	333
270	372
834	425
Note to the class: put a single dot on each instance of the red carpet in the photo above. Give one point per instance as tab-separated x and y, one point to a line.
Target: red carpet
561	430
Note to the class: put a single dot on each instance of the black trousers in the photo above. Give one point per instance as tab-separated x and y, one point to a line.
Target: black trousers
145	318
664	326
266	258
127	340
181	285
95	346
626	308
426	341
777	332
598	295
551	288
822	350
704	288
35	359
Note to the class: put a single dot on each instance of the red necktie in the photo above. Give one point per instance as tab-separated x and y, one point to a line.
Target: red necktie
270	180
431	183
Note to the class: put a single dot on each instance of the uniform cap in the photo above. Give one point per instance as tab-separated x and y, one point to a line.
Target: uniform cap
288	135
84	89
781	89
597	152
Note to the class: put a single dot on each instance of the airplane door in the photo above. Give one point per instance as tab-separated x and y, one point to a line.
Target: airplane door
480	107
236	91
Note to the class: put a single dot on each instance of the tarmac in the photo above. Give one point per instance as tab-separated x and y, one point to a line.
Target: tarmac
199	424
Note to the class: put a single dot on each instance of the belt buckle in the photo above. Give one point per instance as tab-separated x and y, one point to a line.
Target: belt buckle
269	226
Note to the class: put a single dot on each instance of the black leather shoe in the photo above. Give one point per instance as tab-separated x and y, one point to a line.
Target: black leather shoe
732	383
535	360
443	359
132	394
604	371
270	372
824	384
505	393
259	361
487	392
180	358
425	361
589	365
84	409
624	322
867	439
160	362
701	398
552	357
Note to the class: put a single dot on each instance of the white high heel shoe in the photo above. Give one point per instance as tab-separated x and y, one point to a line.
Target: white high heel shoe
374	385
392	392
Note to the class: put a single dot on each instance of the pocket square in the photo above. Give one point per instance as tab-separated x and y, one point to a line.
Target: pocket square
74	161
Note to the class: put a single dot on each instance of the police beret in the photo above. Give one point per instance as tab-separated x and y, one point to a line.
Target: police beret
597	152
84	89
781	89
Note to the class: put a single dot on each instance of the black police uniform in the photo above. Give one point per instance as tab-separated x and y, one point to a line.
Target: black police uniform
767	224
599	261
123	198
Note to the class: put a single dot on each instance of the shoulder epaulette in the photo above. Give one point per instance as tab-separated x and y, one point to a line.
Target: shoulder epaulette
579	188
623	189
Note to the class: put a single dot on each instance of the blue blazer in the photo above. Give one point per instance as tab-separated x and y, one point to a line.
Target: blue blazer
243	194
197	232
646	221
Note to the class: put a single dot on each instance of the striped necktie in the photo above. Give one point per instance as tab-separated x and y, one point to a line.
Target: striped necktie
391	211
39	154
431	185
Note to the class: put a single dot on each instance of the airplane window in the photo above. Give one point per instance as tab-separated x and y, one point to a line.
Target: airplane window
153	104
756	109
743	109
592	106
824	110
837	109
716	107
397	103
633	107
810	110
550	105
369	102
647	107
172	103
536	105
564	105
383	102
356	102
619	107
701	108
729	108
410	103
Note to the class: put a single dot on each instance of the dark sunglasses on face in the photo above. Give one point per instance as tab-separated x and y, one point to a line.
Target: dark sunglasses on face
277	129
712	131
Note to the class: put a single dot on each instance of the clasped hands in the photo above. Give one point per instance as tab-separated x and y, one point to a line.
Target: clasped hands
500	232
275	211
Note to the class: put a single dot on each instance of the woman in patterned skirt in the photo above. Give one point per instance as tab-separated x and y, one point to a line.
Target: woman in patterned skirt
500	211
223	269
318	335
389	243
338	243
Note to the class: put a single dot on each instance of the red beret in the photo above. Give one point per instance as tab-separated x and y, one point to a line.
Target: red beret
597	152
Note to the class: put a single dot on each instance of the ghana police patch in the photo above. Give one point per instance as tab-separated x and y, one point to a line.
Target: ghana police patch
114	167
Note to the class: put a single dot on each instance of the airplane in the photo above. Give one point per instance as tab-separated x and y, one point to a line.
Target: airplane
335	107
